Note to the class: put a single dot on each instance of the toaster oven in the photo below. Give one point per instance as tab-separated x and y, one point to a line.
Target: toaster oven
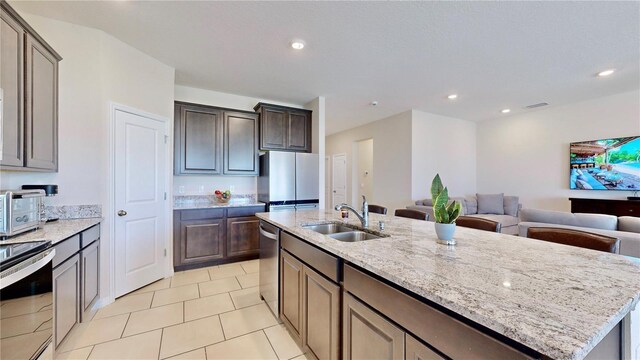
20	211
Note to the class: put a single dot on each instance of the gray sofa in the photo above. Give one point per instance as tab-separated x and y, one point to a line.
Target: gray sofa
625	228
506	212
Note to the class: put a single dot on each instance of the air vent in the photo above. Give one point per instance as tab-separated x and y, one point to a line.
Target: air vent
536	105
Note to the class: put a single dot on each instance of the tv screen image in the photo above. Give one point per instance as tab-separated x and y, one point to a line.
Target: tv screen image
607	164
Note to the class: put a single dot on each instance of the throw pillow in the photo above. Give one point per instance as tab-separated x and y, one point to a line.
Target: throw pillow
490	204
472	205
511	205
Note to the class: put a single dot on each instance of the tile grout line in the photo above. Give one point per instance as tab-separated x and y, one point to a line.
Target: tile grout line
125	325
188	351
270	344
161	338
222	328
90	351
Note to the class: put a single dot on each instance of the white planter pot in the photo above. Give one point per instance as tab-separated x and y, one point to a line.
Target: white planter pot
445	233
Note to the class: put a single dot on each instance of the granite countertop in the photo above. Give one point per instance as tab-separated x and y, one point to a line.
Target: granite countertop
214	205
558	300
55	231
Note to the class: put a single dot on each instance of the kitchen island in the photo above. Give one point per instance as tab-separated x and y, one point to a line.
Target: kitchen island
543	299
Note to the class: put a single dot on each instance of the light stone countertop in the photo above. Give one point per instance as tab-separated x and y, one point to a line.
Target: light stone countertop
55	231
214	205
558	300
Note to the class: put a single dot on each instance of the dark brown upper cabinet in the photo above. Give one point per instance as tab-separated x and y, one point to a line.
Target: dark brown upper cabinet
215	141
30	96
198	140
240	143
283	128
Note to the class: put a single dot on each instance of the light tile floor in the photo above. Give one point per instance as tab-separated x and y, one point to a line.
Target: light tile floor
209	313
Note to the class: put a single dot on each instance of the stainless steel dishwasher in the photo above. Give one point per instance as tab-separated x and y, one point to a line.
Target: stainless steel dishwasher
269	265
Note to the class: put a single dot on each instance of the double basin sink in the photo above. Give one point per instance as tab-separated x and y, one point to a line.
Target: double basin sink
341	232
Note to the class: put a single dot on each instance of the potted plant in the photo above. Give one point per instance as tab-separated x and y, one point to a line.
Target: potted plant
445	213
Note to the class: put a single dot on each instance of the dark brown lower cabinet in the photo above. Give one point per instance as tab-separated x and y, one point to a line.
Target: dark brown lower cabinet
205	237
243	236
320	315
90	284
66	298
201	240
291	293
367	335
415	350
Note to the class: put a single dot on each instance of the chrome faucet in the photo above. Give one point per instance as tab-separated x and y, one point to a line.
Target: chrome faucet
364	217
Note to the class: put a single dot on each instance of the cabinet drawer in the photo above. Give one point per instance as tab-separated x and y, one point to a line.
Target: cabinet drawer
89	236
244	211
319	260
201	214
413	314
65	249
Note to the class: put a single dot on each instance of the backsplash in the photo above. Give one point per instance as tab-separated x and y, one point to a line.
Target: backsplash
73	211
181	200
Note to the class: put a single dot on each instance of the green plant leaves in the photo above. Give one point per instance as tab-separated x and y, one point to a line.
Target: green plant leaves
443	211
436	187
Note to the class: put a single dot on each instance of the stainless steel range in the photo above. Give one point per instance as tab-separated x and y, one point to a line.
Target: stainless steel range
26	299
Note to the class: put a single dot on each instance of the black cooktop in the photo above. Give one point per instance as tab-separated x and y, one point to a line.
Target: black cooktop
12	254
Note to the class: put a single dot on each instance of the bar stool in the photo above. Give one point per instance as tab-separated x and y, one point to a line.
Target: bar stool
378	209
412	214
578	238
479	223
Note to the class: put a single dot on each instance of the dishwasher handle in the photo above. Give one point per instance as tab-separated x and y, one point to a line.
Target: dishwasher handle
269	235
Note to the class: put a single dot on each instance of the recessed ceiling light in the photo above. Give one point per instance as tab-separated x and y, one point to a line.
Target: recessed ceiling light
297	44
452	96
606	72
373	103
505	111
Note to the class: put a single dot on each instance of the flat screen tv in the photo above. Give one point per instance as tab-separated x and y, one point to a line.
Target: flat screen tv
607	164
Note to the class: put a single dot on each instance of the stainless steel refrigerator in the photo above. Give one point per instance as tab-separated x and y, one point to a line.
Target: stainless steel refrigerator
288	180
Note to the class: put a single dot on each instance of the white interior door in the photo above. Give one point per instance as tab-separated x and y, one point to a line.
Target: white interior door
339	179
139	200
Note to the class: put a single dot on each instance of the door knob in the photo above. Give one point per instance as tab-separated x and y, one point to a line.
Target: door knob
122	213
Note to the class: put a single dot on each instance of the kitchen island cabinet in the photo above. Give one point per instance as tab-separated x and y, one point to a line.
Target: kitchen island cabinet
492	296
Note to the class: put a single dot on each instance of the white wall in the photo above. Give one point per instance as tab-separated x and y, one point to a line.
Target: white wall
96	69
363	184
443	145
528	155
207	184
391	158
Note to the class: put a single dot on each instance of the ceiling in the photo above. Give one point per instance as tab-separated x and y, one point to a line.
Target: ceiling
406	55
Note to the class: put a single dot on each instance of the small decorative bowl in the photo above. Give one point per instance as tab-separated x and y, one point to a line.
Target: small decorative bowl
223	200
